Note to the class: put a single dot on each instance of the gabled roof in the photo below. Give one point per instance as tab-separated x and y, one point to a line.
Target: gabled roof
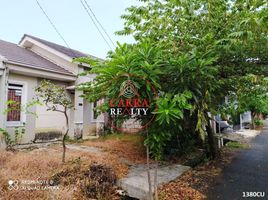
62	49
22	56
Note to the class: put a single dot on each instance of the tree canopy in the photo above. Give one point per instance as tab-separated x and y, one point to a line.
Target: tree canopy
201	48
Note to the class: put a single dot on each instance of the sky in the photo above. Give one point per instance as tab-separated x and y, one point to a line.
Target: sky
24	16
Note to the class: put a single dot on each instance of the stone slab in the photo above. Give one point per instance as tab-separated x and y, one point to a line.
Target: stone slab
136	182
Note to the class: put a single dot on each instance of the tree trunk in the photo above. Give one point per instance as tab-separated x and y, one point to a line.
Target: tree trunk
155	181
65	136
148	171
253	119
211	142
212	149
64	146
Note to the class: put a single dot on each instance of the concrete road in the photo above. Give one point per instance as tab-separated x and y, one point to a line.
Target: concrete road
247	176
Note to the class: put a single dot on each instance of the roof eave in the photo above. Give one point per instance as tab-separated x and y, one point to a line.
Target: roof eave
37	68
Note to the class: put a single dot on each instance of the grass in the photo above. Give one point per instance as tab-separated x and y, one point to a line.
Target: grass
124	137
73	141
135	139
237	145
128	146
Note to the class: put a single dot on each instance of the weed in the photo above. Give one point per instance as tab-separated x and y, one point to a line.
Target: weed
237	145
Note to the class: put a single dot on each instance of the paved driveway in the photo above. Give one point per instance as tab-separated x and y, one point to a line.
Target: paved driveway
247	173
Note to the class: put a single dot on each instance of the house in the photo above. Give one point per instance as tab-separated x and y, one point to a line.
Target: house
22	67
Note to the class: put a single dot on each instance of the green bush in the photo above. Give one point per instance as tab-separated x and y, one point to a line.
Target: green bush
258	122
6	136
10	142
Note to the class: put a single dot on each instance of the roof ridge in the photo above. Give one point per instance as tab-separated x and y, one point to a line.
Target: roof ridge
73	53
34	37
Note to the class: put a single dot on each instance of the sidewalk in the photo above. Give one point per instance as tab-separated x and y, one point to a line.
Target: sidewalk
244	135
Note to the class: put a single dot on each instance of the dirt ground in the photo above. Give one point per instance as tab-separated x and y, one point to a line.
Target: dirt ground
42	164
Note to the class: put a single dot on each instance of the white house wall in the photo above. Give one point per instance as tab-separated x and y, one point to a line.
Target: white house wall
80	118
2	105
48	121
88	127
51	121
29	84
2	97
2	94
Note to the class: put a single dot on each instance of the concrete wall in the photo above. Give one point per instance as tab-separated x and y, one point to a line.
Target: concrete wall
2	94
49	120
52	121
91	126
246	117
88	128
29	83
2	101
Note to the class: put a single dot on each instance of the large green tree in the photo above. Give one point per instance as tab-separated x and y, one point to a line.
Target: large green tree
203	47
140	63
194	53
207	47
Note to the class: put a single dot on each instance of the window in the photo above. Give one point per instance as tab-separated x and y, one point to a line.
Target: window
15	101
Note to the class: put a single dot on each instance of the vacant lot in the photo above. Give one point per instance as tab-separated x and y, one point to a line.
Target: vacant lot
117	152
41	164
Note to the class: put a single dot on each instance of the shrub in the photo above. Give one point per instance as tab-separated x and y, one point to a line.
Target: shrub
10	142
19	132
258	122
6	136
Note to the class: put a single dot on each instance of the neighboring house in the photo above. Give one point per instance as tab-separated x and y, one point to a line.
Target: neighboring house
22	67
